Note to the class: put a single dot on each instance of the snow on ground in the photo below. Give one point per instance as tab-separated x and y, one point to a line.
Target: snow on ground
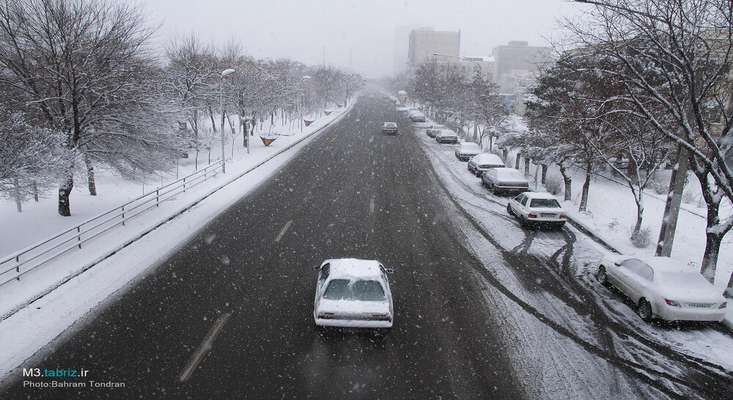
558	284
51	315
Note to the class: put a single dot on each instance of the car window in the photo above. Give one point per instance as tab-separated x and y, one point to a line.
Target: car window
338	289
544	203
367	290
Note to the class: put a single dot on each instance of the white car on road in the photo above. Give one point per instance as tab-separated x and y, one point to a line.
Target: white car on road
353	293
466	150
537	208
482	162
663	288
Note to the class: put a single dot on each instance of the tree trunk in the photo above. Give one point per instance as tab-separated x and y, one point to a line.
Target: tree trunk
211	116
526	166
544	173
16	194
639	213
64	194
91	181
672	206
568	183
505	154
586	187
710	257
517	160
34	187
491	143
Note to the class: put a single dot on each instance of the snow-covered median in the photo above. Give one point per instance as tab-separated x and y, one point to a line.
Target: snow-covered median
49	316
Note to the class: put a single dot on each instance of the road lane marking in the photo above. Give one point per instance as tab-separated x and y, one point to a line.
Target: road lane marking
204	347
283	230
371	206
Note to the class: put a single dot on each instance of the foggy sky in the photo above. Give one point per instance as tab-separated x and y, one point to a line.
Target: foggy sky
356	33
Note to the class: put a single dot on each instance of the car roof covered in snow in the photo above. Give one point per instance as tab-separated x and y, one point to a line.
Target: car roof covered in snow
508	173
447	132
470	146
540	195
487	158
354	268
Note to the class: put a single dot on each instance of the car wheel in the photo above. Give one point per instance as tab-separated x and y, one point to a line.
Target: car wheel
602	276
509	210
644	310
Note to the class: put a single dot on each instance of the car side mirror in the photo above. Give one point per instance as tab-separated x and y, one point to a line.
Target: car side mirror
316	267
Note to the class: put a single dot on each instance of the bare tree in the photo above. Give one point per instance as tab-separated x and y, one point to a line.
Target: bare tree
81	68
687	44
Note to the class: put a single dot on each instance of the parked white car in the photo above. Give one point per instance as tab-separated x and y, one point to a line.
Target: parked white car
537	208
446	136
353	293
416	116
467	150
504	180
663	288
483	162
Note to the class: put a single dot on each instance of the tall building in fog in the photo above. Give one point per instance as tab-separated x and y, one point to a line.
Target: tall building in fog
425	43
517	63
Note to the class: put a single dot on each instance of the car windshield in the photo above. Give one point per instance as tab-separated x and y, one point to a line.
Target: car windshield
544	203
361	290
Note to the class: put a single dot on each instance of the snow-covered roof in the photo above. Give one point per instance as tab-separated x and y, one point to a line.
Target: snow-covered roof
508	173
354	268
487	158
540	195
447	132
470	146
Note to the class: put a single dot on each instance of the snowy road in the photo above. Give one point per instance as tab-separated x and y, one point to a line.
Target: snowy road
481	309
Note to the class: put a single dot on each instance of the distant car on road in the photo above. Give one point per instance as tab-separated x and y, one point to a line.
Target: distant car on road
483	162
416	116
389	127
467	150
537	208
663	288
353	293
504	180
446	136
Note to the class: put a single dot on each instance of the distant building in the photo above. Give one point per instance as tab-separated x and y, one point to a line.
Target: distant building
516	63
469	65
425	43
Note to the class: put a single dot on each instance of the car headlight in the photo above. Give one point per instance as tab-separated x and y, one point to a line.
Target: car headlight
672	303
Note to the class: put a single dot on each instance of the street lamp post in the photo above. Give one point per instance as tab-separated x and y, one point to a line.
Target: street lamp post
221	106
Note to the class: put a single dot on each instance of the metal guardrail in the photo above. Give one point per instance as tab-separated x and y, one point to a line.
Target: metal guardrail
18	264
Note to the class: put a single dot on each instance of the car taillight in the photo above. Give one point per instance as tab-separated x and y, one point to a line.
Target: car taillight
671	303
723	305
563	216
531	215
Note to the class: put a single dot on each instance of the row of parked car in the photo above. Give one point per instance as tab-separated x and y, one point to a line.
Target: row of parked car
657	287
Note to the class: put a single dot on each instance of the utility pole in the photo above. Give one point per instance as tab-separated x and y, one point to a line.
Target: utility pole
672	206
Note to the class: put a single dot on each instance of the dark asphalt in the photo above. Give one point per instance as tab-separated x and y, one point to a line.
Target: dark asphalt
351	192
